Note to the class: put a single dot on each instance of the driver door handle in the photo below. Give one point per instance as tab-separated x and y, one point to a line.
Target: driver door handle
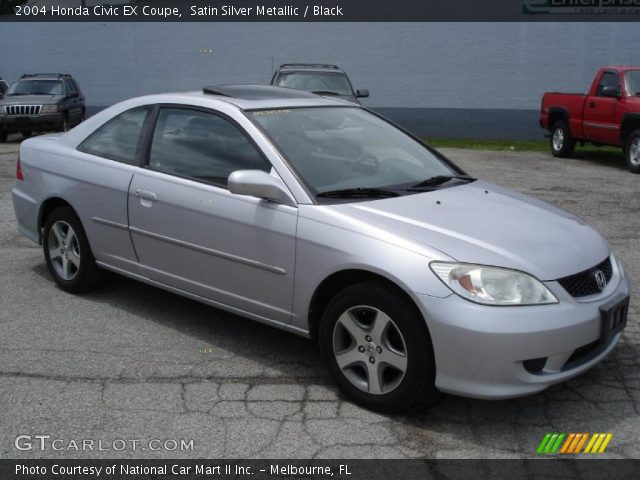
146	195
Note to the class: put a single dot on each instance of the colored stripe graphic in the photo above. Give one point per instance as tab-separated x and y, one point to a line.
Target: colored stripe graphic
543	443
550	443
572	443
567	443
582	442
605	443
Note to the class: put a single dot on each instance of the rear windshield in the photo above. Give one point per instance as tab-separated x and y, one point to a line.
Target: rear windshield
36	87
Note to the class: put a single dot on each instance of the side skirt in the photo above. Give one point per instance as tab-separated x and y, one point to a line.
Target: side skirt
267	321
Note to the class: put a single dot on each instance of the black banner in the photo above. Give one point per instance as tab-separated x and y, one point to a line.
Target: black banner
319	469
320	10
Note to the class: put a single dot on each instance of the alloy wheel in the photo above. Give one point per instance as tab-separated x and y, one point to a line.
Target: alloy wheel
634	152
558	139
64	250
370	350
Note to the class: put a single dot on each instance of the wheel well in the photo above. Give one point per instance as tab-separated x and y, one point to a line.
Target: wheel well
556	115
628	126
335	282
46	208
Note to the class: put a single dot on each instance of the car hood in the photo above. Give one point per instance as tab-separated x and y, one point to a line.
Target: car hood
490	225
30	99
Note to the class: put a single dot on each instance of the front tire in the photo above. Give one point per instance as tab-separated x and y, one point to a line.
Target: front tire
67	252
562	144
633	152
377	348
3	136
64	126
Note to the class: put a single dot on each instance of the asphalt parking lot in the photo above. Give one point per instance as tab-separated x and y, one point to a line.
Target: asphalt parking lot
133	362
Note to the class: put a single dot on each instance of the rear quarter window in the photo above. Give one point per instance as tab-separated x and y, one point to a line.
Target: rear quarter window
119	139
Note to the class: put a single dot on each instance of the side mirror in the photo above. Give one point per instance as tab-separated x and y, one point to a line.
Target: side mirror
258	183
610	91
362	93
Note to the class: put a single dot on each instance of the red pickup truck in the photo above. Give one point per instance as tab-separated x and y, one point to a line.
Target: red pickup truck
608	115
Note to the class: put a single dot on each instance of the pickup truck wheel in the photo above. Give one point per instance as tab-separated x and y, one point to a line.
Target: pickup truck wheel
67	252
377	348
633	152
3	137
562	145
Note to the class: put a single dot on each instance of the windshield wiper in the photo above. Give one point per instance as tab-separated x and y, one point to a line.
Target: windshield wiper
325	92
358	192
439	180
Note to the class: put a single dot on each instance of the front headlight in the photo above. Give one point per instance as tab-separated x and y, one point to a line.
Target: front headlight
492	285
49	109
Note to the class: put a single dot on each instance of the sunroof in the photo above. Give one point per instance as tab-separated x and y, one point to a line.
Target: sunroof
256	92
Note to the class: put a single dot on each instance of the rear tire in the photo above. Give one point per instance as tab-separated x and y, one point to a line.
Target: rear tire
67	252
633	151
3	136
562	145
377	348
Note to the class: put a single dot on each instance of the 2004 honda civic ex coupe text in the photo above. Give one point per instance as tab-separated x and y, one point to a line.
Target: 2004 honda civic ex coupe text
317	216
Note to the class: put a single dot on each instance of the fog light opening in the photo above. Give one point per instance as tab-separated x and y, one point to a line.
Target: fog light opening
534	365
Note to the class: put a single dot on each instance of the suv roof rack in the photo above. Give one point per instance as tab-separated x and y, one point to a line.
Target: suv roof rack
310	65
56	75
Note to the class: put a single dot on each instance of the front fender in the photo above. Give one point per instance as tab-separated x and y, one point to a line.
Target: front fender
327	244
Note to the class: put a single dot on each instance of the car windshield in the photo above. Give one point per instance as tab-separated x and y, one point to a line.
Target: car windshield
633	82
337	148
36	87
326	82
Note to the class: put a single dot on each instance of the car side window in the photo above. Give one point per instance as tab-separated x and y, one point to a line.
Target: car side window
118	139
201	145
608	79
71	88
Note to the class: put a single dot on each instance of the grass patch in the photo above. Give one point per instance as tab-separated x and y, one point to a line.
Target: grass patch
477	144
510	145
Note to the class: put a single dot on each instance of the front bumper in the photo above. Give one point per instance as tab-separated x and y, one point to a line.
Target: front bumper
33	123
480	350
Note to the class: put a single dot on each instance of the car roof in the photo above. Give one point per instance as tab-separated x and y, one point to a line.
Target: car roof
42	76
312	69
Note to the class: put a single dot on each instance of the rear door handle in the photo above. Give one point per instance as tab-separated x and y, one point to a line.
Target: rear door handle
146	195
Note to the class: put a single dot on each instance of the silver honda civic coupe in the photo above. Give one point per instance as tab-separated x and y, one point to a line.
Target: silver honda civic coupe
319	217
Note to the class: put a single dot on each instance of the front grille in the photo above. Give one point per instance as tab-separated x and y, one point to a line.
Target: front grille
22	109
584	283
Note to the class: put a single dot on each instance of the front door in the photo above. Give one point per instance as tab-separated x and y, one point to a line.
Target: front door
191	233
600	112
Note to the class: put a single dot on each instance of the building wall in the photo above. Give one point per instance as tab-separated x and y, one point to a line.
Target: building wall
405	66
